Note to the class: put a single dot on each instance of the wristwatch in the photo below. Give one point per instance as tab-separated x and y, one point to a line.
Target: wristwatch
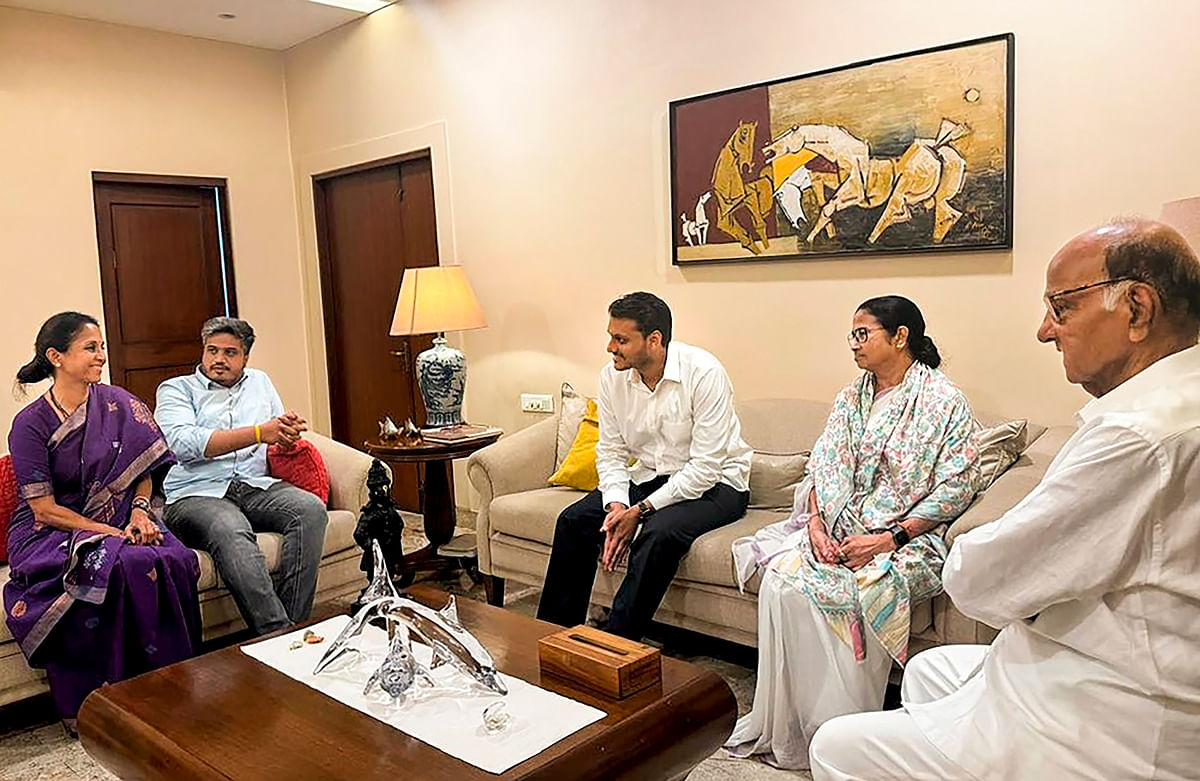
644	509
899	536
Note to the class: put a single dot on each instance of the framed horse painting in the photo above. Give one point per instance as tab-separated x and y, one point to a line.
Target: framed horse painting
908	153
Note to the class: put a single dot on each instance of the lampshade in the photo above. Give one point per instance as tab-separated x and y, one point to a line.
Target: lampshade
435	299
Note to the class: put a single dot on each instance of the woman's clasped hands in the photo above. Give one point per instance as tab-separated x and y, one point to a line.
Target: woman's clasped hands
853	552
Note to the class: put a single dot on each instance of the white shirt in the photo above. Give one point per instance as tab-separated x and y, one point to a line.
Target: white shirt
1095	579
685	428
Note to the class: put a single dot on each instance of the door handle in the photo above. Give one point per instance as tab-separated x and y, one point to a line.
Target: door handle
404	355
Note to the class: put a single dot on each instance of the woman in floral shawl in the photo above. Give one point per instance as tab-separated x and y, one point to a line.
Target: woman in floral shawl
97	590
896	461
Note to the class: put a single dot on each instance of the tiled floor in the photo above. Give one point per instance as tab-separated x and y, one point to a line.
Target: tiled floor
33	748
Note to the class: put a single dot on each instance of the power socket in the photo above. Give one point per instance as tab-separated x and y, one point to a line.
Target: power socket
537	402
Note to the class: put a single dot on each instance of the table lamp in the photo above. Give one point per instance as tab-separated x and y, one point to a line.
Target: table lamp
434	300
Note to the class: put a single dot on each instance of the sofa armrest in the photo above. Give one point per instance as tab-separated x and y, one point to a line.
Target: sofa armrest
522	461
518	462
953	628
1014	485
347	469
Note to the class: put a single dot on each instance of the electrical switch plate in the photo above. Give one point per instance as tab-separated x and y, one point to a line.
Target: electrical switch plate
537	402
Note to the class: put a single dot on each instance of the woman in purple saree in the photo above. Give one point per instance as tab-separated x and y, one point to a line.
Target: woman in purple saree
98	592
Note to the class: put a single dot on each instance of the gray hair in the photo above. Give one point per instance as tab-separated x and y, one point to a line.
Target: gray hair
228	325
1155	254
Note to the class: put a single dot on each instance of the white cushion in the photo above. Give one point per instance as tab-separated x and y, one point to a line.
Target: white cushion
773	479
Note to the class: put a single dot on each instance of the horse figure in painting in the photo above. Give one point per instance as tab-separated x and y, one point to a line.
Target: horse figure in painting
930	172
735	195
850	154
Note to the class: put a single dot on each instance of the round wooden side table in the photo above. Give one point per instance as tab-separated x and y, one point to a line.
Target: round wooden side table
437	503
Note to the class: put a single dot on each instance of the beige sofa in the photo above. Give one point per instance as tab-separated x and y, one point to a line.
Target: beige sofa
339	574
518	512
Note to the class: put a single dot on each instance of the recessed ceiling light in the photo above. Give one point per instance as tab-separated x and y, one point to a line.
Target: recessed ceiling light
362	6
227	16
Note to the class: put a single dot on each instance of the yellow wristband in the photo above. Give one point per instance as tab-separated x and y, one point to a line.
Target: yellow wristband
257	434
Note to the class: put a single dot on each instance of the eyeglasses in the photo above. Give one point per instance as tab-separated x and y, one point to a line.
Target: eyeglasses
861	334
1054	300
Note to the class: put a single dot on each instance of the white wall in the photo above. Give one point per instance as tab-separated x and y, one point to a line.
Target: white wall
556	123
77	97
548	125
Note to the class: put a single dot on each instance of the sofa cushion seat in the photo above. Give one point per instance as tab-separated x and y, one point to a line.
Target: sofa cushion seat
339	535
527	515
530	515
710	561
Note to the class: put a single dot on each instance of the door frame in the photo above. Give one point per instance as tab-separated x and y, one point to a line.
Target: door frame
431	139
108	279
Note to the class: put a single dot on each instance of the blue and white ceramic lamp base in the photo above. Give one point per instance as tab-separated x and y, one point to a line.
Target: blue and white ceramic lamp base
442	377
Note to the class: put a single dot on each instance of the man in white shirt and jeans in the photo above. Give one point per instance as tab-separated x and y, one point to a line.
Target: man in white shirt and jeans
1094	577
672	466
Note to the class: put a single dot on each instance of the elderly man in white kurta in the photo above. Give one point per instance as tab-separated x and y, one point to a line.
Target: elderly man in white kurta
1094	578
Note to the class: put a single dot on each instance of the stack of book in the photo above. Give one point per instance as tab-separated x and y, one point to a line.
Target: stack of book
463	432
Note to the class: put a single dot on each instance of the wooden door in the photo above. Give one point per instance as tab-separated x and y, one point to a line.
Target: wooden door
164	270
373	222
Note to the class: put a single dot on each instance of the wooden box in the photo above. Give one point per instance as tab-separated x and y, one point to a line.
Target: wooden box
596	660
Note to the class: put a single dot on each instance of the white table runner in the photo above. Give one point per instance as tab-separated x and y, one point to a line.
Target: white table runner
450	722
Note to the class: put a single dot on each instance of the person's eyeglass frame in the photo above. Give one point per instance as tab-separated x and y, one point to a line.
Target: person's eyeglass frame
1052	299
853	337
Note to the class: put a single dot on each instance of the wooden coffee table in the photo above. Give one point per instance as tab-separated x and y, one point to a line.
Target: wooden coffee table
226	716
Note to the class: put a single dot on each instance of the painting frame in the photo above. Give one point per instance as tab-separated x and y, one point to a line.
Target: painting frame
892	160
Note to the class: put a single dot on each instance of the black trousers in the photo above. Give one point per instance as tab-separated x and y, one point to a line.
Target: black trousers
654	555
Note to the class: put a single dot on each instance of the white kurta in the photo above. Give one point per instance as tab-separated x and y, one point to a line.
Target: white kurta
1095	579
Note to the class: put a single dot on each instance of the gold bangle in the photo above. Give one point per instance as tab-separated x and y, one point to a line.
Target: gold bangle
257	434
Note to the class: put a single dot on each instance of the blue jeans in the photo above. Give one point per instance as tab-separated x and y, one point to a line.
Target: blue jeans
225	527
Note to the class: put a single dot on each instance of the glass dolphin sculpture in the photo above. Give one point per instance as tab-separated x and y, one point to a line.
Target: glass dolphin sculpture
399	670
439	629
381	584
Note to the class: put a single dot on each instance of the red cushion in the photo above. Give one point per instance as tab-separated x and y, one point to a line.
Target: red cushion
8	503
302	466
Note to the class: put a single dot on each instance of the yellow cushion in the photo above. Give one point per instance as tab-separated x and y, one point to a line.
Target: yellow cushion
578	469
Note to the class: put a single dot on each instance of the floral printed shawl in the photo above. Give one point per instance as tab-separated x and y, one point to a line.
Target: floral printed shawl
917	459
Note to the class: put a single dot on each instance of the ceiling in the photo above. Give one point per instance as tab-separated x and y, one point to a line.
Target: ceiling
270	24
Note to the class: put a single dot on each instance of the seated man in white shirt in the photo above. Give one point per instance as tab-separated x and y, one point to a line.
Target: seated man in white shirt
1094	578
669	406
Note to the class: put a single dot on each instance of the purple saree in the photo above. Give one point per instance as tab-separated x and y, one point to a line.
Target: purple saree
91	608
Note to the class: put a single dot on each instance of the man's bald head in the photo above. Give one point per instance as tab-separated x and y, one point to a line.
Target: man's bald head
1120	297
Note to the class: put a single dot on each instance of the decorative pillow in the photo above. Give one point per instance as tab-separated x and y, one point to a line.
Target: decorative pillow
571	409
302	466
8	503
999	448
578	469
773	479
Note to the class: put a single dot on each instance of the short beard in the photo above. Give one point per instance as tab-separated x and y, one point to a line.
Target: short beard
225	384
